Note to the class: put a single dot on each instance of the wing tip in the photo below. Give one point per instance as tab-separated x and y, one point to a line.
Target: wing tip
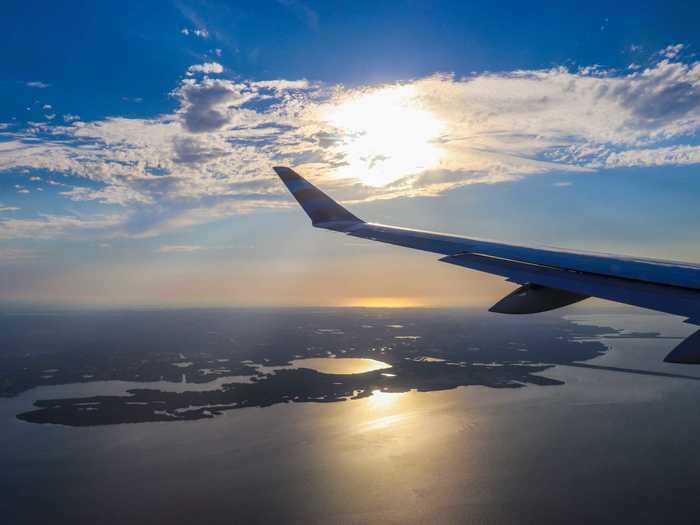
323	211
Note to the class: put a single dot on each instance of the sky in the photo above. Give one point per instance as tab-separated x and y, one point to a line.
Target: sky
137	141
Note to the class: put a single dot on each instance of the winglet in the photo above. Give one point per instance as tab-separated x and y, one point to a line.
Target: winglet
323	211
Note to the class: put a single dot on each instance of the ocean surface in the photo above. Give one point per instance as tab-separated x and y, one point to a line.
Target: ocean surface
346	416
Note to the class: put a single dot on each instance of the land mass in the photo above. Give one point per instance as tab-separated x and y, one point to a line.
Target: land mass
427	351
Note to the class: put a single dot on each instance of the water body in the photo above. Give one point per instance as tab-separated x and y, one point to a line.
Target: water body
332	365
611	437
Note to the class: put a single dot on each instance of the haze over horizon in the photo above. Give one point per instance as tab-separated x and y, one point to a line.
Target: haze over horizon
136	144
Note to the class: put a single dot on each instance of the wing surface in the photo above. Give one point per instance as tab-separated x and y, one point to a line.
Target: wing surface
550	277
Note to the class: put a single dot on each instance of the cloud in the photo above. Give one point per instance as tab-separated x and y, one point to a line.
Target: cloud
121	195
671	155
206	105
197	32
190	150
70	118
8	209
16	255
211	157
50	226
281	85
671	51
207	68
38	85
180	248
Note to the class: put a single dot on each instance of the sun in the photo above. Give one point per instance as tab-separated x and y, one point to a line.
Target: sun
386	134
383	302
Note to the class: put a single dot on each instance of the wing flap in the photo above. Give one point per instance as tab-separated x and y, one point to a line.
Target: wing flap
534	298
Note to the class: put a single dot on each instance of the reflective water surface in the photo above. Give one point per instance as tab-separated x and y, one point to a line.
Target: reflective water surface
333	365
608	442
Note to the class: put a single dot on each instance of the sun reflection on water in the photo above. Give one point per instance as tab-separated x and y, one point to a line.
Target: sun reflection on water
381	399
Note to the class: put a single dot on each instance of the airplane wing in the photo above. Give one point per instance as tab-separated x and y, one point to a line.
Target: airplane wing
548	278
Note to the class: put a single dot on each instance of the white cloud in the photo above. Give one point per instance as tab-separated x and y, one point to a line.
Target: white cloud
8	209
47	106
211	158
672	51
207	68
48	226
671	155
121	195
197	32
281	85
70	118
37	84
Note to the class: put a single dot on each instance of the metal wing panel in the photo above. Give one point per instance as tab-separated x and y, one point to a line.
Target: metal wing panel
670	273
668	299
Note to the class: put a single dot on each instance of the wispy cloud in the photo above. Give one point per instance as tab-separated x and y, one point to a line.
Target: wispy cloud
180	248
38	84
197	32
672	51
48	226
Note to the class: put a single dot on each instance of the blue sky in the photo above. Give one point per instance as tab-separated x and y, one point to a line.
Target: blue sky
136	140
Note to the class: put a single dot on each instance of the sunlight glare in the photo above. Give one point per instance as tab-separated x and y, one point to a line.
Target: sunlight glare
381	399
382	302
387	135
